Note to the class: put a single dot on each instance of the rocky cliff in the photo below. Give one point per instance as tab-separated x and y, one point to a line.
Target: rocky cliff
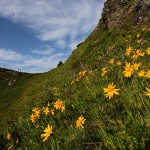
124	13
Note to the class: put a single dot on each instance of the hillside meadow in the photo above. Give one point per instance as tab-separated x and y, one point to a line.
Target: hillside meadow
98	99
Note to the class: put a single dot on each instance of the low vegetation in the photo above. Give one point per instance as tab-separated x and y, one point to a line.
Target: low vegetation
99	99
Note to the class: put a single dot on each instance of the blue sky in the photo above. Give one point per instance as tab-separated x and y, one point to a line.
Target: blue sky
36	34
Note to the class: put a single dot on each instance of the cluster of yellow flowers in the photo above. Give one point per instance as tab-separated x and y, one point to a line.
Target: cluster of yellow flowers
48	111
48	130
130	69
81	75
110	91
135	55
144	29
58	105
35	115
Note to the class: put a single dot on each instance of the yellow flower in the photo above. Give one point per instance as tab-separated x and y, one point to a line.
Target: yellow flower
128	51
147	93
62	108
32	118
119	63
128	70
104	71
80	122
111	61
82	73
46	110
110	91
147	74
141	73
52	111
8	136
136	54
36	111
139	41
136	66
148	51
138	35
48	104
59	105
55	88
48	132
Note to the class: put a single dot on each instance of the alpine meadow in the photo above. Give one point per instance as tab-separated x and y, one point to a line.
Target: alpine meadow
99	99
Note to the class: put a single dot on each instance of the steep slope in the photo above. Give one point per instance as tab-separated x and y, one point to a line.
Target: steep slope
99	99
14	86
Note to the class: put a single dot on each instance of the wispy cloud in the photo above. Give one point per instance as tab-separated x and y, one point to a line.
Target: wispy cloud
10	55
49	50
30	63
65	23
54	19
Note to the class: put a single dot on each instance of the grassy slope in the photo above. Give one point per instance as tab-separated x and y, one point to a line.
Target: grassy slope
13	98
110	124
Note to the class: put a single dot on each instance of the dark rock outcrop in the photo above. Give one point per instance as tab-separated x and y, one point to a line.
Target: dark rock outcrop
123	13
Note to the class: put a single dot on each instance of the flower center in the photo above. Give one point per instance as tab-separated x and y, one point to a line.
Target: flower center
129	70
110	89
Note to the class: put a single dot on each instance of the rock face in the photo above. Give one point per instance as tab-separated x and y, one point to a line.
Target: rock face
124	13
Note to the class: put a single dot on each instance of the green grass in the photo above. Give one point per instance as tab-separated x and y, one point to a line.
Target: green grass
118	123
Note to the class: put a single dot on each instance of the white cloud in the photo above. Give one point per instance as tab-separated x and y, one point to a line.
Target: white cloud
65	23
61	44
47	51
54	19
28	63
9	55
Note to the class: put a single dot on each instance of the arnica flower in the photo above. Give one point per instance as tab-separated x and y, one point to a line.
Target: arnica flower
91	72
141	73
137	54
148	51
46	110
147	74
110	91
52	112
55	88
147	93
138	35
36	111
80	122
119	63
59	105
62	108
128	51
128	70
8	136
82	73
48	132
33	118
111	61
136	66
104	71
